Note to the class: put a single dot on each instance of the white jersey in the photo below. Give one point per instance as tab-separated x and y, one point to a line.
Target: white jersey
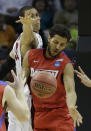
14	124
39	39
17	53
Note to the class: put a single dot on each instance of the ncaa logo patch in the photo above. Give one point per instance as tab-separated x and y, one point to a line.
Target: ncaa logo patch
57	64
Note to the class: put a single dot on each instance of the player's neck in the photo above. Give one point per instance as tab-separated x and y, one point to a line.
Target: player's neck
47	54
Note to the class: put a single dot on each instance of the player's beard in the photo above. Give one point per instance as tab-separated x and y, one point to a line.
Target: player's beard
49	52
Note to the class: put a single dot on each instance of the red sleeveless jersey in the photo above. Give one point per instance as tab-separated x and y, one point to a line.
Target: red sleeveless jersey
2	87
53	109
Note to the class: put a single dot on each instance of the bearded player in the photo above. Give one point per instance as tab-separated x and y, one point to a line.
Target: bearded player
58	112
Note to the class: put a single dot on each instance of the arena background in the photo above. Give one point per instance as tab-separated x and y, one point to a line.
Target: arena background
84	60
84	56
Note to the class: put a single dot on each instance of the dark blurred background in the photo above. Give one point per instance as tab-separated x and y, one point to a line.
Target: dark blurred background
84	60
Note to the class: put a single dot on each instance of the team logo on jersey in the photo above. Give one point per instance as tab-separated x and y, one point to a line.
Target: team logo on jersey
57	64
34	71
60	60
35	61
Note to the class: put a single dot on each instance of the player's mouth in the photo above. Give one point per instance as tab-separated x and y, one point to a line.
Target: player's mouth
56	51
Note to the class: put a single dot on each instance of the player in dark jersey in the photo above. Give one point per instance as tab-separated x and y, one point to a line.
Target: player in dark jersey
12	98
57	112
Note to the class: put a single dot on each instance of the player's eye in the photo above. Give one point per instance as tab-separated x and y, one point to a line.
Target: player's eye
55	42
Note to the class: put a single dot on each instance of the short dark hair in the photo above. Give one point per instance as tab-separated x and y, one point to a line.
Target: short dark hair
59	29
23	9
34	3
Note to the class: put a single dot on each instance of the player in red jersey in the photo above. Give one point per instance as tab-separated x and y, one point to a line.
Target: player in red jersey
56	112
13	99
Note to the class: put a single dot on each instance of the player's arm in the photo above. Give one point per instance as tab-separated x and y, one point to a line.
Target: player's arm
71	97
12	54
69	85
27	35
16	101
83	77
28	39
25	65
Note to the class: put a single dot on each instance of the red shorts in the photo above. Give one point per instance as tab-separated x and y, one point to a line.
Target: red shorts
56	129
54	120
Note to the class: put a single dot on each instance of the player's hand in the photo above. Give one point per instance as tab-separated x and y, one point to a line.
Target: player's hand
75	115
83	77
19	80
27	20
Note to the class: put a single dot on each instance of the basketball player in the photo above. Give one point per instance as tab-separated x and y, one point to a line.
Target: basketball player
57	112
29	38
31	22
25	37
12	98
83	77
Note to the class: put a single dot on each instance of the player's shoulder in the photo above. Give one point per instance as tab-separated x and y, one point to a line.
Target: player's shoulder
37	34
36	50
63	56
17	40
33	53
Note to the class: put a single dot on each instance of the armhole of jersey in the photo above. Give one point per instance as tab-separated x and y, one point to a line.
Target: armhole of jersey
67	60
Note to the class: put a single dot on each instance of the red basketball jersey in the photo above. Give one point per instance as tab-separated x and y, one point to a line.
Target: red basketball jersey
2	122
55	106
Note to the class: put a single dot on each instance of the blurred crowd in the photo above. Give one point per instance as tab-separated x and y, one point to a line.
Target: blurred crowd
51	12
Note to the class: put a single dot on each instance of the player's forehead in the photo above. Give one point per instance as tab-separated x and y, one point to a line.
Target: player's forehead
31	11
59	38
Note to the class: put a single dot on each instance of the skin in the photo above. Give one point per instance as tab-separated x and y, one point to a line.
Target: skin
18	105
31	24
33	14
83	77
55	45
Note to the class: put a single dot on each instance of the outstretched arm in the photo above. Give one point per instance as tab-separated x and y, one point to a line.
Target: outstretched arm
70	93
27	36
15	98
83	77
